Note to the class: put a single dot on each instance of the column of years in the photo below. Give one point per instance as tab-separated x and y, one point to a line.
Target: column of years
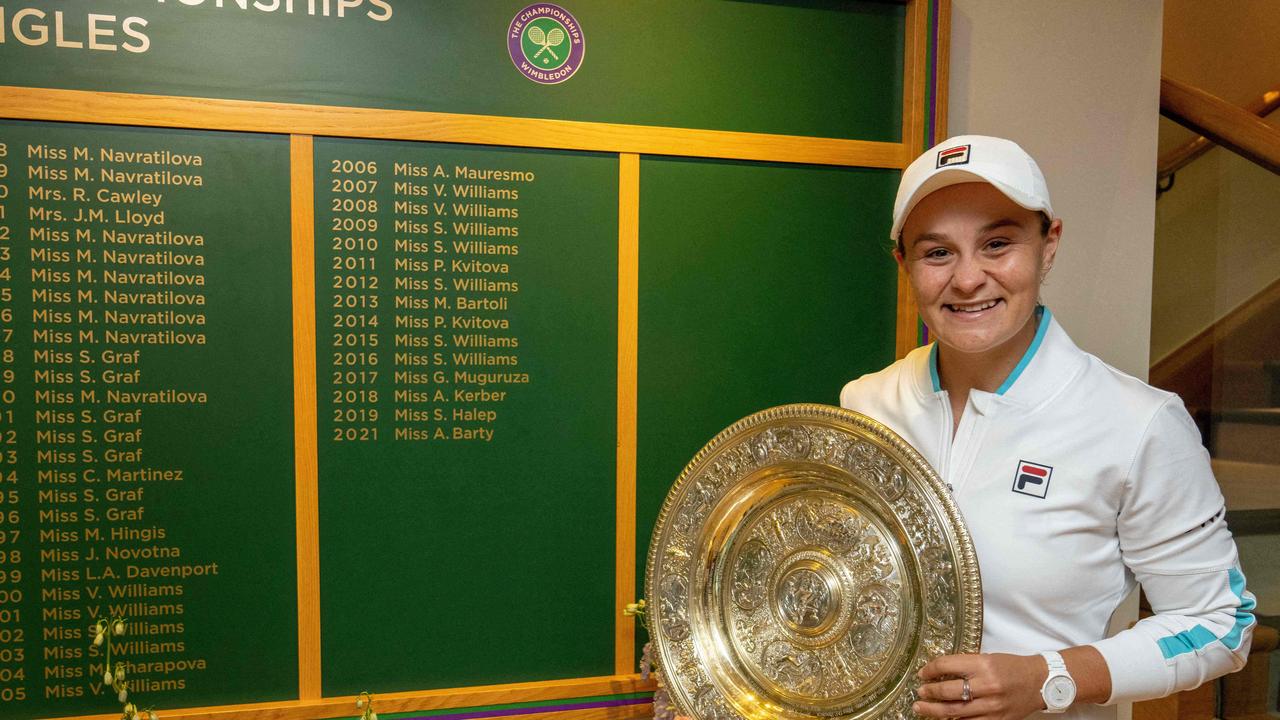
420	282
474	290
13	686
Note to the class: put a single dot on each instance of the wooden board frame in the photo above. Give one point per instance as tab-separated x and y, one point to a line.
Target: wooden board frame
624	650
924	105
110	108
305	420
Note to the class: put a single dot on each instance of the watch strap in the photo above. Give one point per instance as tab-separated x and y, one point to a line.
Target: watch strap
1057	668
1056	664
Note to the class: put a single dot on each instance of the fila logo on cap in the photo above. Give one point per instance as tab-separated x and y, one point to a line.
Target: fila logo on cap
958	155
1032	479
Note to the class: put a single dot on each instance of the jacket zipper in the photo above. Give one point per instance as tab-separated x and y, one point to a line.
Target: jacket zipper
945	470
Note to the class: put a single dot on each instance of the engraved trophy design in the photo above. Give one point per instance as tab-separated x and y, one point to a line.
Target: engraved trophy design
806	564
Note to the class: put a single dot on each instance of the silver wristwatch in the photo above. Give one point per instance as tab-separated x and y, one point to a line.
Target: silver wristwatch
1059	690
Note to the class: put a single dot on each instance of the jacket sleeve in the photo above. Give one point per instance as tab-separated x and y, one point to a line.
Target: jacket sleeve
1174	539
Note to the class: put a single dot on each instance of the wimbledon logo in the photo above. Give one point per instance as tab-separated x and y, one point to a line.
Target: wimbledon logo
546	43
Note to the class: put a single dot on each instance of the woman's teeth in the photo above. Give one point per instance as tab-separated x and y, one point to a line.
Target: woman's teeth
974	307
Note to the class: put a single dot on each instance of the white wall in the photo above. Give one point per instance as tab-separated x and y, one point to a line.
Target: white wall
1077	84
1217	244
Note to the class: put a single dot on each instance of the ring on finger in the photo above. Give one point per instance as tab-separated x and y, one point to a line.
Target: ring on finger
965	693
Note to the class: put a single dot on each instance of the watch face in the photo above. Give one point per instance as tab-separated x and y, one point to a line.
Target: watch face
1060	692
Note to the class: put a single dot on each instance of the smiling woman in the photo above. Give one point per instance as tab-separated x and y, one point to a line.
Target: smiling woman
1076	480
977	279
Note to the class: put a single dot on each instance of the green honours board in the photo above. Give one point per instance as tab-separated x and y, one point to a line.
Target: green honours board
821	68
760	285
319	415
146	470
467	359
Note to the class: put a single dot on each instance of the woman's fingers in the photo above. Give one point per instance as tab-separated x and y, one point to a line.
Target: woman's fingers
950	666
945	691
973	708
1001	686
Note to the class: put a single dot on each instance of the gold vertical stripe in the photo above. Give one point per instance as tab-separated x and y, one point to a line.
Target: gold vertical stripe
915	68
907	318
943	76
306	501
628	320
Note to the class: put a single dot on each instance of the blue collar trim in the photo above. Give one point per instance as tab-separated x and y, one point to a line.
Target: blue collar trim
1042	317
933	367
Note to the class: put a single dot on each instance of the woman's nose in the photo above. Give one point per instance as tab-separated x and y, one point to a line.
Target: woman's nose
969	274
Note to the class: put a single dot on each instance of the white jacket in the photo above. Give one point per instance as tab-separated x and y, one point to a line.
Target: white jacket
1076	481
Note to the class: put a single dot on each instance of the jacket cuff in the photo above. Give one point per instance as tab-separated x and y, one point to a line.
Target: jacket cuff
1137	669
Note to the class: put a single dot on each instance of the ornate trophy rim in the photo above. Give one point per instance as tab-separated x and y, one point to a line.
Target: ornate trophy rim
738	686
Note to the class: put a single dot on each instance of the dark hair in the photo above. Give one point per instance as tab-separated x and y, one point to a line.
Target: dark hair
1046	222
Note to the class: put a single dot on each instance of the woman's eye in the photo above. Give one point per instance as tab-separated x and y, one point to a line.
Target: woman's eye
997	244
936	253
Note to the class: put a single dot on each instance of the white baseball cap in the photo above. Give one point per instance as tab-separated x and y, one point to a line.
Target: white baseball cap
972	158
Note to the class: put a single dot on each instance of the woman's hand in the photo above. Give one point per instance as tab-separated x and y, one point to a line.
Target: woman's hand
1000	686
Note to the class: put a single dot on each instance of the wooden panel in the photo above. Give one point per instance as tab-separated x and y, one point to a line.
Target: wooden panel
304	415
914	67
908	318
337	707
915	79
1197	704
1244	694
285	118
942	72
916	114
628	298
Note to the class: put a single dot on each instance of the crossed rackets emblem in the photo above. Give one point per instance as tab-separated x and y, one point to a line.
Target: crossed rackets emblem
547	40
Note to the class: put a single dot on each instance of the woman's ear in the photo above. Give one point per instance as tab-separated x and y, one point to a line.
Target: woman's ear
1051	239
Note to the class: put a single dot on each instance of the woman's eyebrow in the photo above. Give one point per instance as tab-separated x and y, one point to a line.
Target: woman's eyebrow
1002	222
929	237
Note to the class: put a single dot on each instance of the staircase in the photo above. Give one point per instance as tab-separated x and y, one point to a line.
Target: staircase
1229	374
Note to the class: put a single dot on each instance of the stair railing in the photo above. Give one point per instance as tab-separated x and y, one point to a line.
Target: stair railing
1179	157
1226	124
